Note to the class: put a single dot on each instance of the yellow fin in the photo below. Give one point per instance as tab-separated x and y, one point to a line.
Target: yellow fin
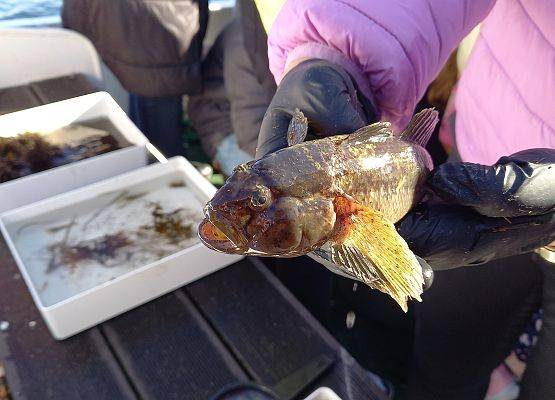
377	255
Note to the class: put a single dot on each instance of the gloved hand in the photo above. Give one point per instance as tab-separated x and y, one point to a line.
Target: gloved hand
485	212
327	96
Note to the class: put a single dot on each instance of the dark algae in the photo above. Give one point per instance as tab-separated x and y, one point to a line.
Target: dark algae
101	250
177	184
171	224
89	147
25	154
29	153
171	228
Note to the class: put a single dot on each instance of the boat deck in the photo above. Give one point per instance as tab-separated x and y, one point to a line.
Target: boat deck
239	324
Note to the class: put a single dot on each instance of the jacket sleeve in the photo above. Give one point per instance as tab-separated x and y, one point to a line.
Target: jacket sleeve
392	48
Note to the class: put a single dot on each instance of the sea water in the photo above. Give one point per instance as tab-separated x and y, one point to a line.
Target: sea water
120	225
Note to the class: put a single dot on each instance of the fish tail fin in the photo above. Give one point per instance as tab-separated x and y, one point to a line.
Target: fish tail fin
421	127
377	255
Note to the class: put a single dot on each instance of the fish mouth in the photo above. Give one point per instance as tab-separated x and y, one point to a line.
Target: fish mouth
220	234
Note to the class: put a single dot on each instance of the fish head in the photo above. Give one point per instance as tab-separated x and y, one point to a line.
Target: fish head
249	216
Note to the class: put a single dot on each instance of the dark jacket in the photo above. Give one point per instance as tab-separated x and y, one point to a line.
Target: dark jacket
238	84
154	48
255	44
210	110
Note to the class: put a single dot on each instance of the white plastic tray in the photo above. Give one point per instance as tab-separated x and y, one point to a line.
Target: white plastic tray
80	302
31	188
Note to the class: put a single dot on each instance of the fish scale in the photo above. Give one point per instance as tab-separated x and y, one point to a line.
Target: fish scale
392	193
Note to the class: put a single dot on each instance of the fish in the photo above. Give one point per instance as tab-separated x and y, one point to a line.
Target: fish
336	198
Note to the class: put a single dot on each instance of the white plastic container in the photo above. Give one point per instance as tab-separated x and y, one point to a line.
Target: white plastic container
47	118
74	297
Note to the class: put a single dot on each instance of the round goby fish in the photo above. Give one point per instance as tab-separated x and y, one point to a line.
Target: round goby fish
336	198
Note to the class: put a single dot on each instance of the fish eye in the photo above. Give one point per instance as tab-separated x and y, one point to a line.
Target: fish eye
260	199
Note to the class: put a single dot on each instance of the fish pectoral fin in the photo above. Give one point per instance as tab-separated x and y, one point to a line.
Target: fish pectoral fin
298	128
323	256
377	255
366	132
421	127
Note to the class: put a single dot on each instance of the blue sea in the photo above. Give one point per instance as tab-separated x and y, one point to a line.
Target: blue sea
18	9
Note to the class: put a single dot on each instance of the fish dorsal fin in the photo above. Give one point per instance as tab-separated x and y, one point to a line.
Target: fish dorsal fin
298	128
379	128
244	166
421	127
374	253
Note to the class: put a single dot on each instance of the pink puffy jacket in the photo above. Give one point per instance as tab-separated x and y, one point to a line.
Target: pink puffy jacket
394	49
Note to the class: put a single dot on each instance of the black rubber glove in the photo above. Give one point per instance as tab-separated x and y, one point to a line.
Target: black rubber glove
325	93
485	212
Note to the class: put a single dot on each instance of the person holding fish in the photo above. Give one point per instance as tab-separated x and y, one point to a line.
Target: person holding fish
365	200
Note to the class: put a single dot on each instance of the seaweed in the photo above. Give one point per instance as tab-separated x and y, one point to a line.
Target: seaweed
25	154
134	196
163	236
90	147
29	153
177	184
100	250
102	209
170	224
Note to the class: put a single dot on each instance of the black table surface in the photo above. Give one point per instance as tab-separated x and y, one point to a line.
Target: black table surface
239	324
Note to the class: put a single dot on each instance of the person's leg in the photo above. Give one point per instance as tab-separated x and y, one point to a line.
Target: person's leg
372	327
209	110
160	119
467	324
538	382
249	98
134	111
